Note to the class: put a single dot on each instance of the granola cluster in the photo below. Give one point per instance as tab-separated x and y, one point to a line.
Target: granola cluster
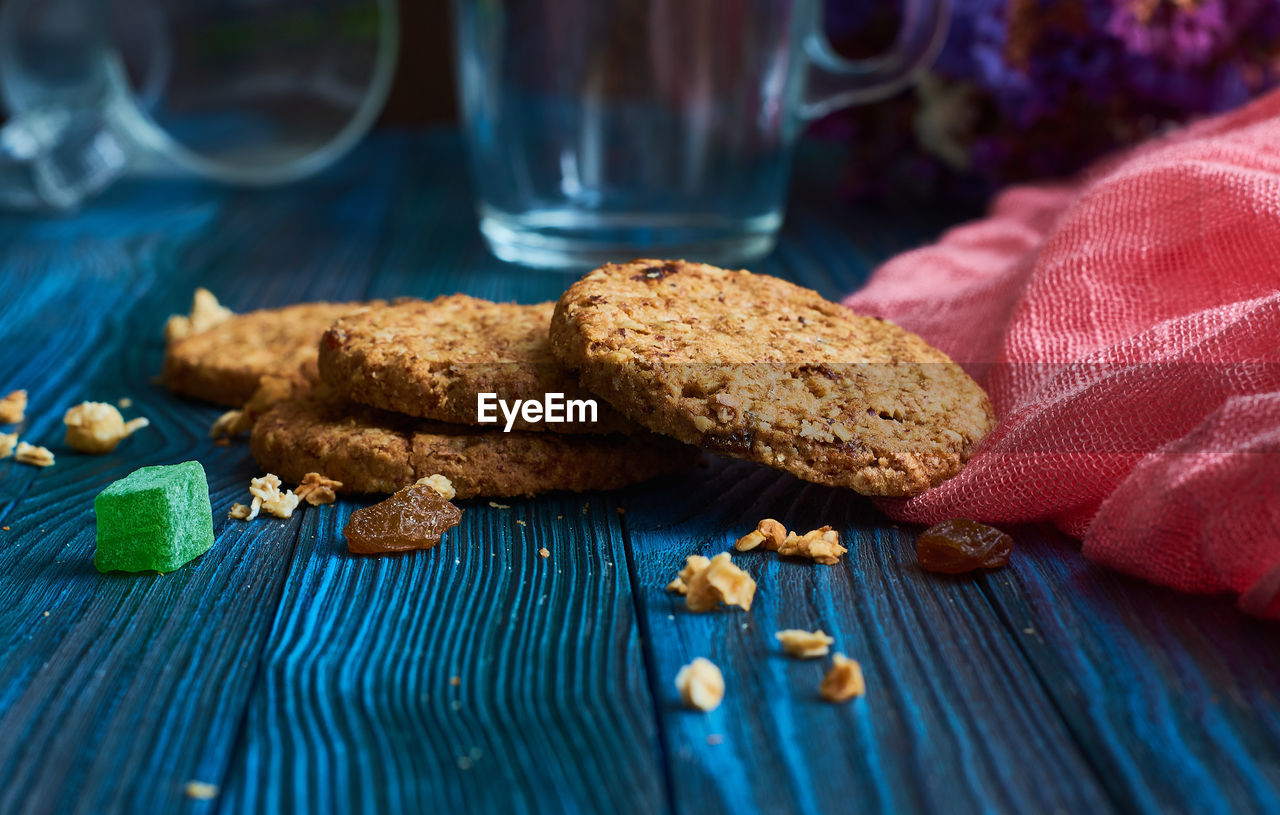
821	545
33	454
708	582
266	496
317	489
804	644
97	427
440	484
844	681
206	312
701	685
13	408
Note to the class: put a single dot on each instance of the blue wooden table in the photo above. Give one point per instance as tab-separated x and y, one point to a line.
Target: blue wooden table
295	677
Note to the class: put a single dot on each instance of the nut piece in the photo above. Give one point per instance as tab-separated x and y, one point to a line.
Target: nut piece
240	512
8	441
230	424
768	532
267	495
804	644
715	581
678	586
31	454
206	312
97	427
440	484
316	489
821	545
749	541
701	684
844	681
13	408
774	532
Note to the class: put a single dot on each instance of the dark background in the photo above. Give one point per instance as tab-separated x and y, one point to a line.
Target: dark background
423	89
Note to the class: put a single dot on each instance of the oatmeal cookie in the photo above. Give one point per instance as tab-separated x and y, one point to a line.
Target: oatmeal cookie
224	363
758	368
431	359
375	451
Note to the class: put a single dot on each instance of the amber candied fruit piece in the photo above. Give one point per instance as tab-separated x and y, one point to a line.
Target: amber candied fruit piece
414	518
961	545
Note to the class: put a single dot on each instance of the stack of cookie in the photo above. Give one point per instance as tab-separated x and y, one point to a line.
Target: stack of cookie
378	395
675	355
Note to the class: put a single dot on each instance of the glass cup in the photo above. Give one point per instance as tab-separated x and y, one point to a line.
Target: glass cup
241	91
604	131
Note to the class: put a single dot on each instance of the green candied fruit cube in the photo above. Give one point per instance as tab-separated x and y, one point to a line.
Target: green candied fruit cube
154	520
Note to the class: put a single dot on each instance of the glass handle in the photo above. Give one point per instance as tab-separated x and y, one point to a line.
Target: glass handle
835	82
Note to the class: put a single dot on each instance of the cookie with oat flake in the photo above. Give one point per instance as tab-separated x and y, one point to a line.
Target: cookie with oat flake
374	451
224	363
432	358
758	368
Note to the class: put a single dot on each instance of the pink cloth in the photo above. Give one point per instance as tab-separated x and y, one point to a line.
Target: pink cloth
1127	327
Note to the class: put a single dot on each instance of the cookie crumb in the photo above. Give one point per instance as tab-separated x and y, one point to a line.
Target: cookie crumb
804	644
440	484
124	403
206	312
13	408
8	441
240	512
317	489
496	505
230	424
701	684
201	790
711	582
544	552
266	496
522	523
455	681
768	532
97	427
714	738
820	545
622	511
844	681
33	454
678	586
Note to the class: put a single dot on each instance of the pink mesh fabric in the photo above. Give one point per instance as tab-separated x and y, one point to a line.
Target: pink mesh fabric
1127	327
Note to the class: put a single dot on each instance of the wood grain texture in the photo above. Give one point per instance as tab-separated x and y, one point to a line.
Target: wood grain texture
357	710
135	684
954	718
296	677
1174	698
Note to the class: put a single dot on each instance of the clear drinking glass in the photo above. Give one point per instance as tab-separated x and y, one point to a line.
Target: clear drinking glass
241	91
605	130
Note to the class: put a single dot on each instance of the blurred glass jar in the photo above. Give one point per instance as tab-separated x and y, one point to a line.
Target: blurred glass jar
608	130
252	92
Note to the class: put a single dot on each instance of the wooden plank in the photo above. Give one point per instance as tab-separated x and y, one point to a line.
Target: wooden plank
1173	697
355	711
954	719
134	684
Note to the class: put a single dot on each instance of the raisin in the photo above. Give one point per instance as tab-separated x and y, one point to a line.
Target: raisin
414	518
961	545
